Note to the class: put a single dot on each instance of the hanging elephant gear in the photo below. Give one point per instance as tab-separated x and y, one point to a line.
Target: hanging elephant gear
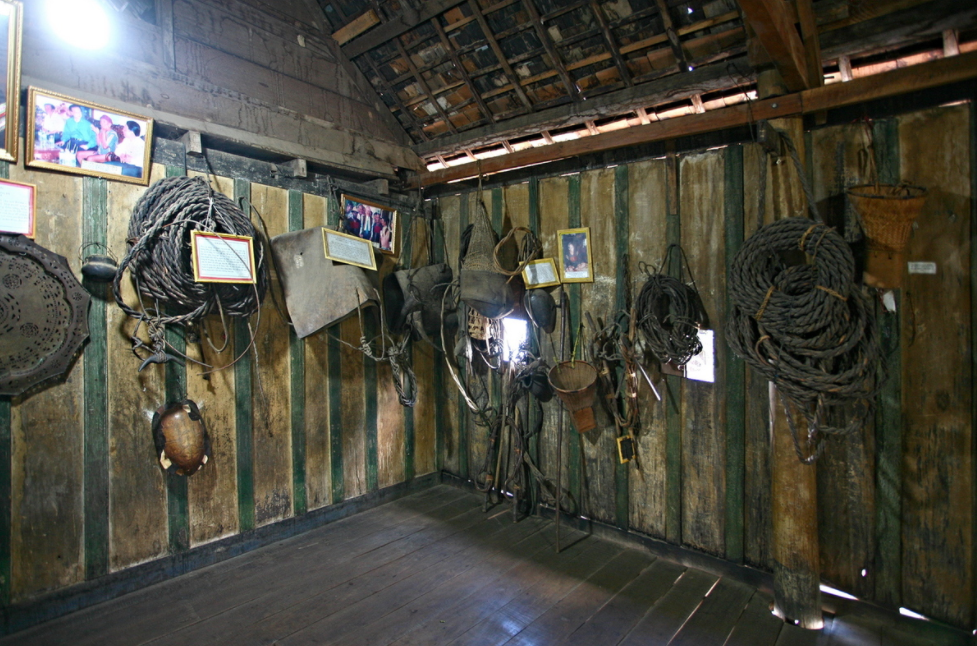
805	327
887	214
670	313
482	286
43	315
575	383
318	291
159	259
412	296
181	439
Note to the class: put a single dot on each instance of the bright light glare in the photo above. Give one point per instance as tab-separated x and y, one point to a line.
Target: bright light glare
514	335
906	612
837	593
81	23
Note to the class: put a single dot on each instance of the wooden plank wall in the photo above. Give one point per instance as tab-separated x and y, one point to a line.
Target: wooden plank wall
83	493
896	500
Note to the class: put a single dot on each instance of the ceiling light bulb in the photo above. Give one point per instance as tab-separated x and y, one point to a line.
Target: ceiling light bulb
81	23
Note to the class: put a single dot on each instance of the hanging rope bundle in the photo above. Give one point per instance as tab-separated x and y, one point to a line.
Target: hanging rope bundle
159	259
670	314
805	327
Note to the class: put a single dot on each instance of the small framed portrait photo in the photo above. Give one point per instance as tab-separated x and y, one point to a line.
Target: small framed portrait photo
81	137
576	264
371	221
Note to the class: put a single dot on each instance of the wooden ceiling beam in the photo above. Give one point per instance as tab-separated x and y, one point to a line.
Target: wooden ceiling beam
900	81
609	40
424	86
476	95
672	36
394	28
404	109
775	30
547	42
494	44
812	42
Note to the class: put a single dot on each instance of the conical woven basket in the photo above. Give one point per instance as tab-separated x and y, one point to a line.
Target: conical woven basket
887	213
483	288
575	383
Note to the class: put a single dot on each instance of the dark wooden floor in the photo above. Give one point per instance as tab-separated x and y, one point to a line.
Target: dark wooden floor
432	568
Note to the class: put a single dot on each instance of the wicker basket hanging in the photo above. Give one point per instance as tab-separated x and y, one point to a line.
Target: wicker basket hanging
483	287
575	383
887	214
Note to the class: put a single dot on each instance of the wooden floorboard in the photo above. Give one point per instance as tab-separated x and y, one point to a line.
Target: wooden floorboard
433	569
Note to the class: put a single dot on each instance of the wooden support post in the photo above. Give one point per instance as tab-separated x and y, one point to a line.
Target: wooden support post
794	513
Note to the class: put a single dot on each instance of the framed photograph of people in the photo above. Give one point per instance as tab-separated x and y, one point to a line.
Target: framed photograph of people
371	221
76	136
540	273
576	264
11	19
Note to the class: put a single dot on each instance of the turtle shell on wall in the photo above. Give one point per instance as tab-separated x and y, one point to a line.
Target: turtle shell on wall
180	436
43	315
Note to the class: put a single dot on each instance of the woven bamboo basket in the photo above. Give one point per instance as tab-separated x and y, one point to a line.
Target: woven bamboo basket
575	383
887	213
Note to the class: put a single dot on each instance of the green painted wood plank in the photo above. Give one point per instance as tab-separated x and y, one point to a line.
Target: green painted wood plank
335	368
735	368
96	428
177	495
888	416
296	350
673	385
973	332
370	407
440	410
6	457
622	219
410	469
243	417
534	410
575	451
464	450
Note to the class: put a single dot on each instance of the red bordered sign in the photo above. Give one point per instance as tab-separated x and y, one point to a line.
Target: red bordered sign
17	207
222	258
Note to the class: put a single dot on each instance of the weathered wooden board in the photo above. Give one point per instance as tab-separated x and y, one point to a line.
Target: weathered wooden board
317	465
212	491
425	417
938	467
599	446
449	208
553	210
270	392
47	495
756	485
648	243
137	490
353	420
846	472
703	407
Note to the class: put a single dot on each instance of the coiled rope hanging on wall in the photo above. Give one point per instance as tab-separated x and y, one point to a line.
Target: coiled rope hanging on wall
159	260
669	314
805	327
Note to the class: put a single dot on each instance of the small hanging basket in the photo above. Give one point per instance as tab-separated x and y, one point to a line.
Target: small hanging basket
575	383
887	213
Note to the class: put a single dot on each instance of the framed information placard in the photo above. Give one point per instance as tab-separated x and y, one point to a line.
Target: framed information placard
541	273
222	258
349	249
17	208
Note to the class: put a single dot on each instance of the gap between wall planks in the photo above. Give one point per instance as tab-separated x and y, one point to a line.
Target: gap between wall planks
243	391
297	351
973	334
6	455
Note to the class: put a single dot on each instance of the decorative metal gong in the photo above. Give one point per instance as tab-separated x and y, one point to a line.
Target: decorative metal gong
43	314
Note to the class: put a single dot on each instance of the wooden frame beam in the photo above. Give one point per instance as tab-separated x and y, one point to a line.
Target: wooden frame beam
424	86
544	38
494	44
394	28
404	109
775	30
476	95
622	66
900	81
672	36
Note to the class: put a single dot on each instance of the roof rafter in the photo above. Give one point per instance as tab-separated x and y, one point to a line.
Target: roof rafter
494	44
476	95
424	86
775	30
544	38
612	45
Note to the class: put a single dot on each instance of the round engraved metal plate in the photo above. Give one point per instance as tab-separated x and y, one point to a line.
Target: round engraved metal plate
43	315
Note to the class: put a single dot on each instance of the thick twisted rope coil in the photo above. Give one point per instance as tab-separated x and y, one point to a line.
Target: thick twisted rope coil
669	315
159	256
805	327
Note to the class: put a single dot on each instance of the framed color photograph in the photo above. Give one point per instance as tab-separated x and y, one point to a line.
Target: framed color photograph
221	257
370	221
11	19
17	208
76	136
346	248
541	273
576	264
